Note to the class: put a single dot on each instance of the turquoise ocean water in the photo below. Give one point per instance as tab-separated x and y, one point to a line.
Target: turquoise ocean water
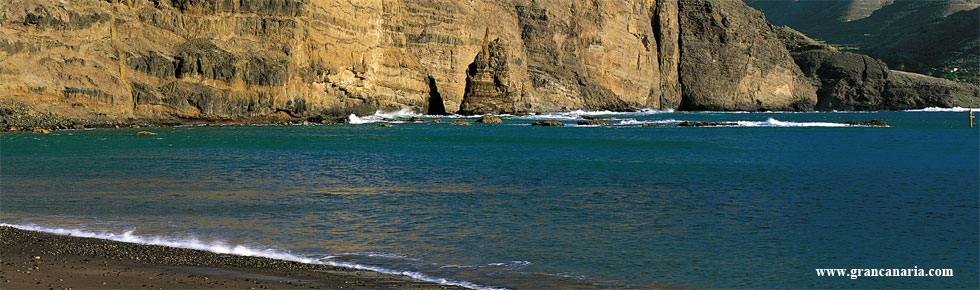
758	205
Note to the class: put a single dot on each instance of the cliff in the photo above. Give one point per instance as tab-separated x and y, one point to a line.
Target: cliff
125	61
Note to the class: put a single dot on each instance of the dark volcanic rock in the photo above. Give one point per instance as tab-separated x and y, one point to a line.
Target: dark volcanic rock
875	123
548	123
489	120
594	123
704	124
597	118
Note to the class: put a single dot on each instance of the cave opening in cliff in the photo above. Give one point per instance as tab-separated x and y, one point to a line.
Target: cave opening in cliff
435	106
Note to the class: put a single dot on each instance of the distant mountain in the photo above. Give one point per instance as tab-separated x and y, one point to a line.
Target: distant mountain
926	36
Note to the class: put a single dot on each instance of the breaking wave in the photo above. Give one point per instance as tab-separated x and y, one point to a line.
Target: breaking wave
240	250
777	123
937	109
580	114
382	116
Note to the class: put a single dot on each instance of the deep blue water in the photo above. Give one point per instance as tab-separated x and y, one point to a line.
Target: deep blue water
760	205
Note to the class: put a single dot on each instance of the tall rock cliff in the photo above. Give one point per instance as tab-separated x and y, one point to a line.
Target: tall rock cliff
732	59
175	60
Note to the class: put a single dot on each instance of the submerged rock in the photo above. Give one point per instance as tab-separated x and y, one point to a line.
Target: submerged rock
145	133
650	125
548	123
873	123
594	123
462	123
704	124
597	118
384	125
490	120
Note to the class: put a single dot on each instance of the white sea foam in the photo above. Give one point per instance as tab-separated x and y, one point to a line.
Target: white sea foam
223	248
777	123
635	122
937	109
381	116
353	119
579	114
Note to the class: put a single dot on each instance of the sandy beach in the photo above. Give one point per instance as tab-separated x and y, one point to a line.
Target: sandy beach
35	260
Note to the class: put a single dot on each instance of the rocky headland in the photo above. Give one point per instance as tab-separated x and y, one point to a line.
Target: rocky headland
131	62
856	82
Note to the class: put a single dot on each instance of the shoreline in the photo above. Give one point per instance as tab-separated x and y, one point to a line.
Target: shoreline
34	259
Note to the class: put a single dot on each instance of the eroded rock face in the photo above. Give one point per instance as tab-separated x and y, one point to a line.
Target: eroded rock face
98	62
488	82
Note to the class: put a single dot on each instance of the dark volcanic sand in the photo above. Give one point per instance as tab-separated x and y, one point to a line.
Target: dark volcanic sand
34	260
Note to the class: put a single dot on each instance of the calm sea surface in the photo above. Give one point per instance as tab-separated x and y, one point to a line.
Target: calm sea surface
759	205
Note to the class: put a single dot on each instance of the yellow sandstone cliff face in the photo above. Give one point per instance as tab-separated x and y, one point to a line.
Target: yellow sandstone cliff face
104	61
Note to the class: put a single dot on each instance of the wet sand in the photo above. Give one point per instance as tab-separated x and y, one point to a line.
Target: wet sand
35	260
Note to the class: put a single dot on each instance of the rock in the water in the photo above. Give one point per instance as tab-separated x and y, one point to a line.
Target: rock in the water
490	120
650	125
437	121
548	123
384	125
462	123
40	130
414	119
597	118
145	133
594	123
873	123
704	124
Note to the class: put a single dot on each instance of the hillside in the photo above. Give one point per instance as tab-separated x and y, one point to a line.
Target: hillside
929	37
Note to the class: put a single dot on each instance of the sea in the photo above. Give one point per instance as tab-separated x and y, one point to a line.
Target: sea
762	203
